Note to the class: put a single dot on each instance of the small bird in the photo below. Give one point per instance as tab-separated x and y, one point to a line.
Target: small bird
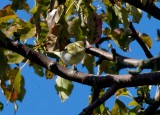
73	53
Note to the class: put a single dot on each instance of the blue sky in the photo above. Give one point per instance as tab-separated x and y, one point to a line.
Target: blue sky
41	97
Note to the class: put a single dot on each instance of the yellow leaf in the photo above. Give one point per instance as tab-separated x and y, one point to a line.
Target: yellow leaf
7	14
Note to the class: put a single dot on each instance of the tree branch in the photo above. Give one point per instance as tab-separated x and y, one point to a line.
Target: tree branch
111	91
149	8
102	81
152	108
141	43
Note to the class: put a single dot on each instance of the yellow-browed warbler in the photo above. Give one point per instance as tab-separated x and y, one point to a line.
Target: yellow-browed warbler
73	53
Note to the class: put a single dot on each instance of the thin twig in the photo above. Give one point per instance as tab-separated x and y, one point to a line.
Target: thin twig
141	43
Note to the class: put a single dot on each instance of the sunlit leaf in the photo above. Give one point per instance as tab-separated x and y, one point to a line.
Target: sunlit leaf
19	86
133	103
134	111
49	74
88	61
122	91
135	12
7	14
119	108
69	8
122	14
64	88
107	2
146	39
14	58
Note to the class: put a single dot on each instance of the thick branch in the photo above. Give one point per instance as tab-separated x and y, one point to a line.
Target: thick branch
101	81
149	8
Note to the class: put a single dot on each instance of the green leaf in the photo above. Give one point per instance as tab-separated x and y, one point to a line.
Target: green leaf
135	110
107	67
1	106
7	14
64	88
122	91
11	73
133	103
107	2
14	58
111	18
19	5
119	108
146	39
15	90
88	61
122	14
19	86
38	70
135	12
69	8
74	29
120	37
3	64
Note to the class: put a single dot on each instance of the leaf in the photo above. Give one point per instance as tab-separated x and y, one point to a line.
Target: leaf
146	39
19	5
74	29
120	37
136	13
15	90
158	34
107	67
88	61
38	69
3	64
26	29
135	110
133	103
144	2
64	88
122	14
11	73
119	108
111	18
19	86
49	74
7	14
14	58
122	91
107	2
1	106
69	8
10	30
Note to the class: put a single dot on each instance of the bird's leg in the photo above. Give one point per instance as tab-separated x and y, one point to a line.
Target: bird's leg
74	67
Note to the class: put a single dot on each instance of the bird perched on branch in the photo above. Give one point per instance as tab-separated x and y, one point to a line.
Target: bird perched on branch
73	53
